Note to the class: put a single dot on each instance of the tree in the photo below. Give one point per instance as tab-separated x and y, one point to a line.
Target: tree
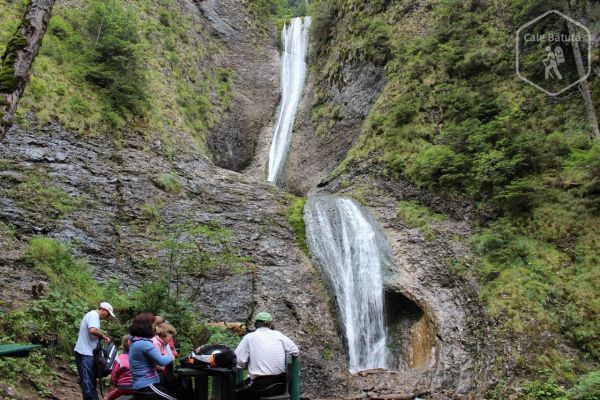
16	62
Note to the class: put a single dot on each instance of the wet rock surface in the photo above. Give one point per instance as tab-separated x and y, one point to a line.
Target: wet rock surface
110	227
313	157
424	272
254	58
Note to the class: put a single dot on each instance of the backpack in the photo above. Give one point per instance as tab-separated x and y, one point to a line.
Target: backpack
560	55
210	356
105	355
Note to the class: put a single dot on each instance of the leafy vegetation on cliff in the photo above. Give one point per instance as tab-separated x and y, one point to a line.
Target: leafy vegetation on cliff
454	118
53	320
108	64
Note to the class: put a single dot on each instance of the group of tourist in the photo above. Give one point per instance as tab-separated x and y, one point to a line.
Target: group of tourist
146	364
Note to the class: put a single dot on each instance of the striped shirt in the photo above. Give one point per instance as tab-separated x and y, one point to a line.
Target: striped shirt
263	352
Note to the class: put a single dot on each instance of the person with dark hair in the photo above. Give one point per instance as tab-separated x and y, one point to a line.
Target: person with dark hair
143	359
263	352
145	316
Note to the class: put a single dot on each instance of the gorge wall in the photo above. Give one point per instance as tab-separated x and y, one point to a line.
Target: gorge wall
133	192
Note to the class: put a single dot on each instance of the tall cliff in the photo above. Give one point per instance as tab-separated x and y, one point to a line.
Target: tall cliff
416	110
130	187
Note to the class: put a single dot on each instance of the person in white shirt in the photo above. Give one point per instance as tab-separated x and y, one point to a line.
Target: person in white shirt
89	335
263	352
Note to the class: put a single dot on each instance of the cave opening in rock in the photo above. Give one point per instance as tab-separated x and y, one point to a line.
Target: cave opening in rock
411	334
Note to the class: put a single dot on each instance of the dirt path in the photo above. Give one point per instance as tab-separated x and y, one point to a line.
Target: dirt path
65	387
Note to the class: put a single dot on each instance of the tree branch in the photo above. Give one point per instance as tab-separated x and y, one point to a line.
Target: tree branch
17	60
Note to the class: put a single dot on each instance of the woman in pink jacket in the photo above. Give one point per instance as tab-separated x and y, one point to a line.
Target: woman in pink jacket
120	375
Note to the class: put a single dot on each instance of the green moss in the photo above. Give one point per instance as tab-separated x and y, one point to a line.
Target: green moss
168	182
416	215
8	237
324	117
37	194
150	213
15	44
8	80
295	217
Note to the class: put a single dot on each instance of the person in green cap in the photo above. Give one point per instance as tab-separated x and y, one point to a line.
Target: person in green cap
263	352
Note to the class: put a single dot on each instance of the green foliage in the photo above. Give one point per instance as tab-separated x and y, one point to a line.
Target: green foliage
264	13
223	335
325	117
101	68
294	216
194	249
64	272
416	215
588	387
8	238
116	58
168	182
155	297
438	166
8	80
150	213
53	320
31	369
538	390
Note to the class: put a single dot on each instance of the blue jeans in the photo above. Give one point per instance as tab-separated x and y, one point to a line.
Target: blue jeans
87	376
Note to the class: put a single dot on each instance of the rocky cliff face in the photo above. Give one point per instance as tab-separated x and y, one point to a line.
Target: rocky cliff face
116	224
437	325
315	154
255	60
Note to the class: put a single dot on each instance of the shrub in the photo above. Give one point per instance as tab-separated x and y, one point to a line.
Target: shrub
168	182
587	388
116	57
438	166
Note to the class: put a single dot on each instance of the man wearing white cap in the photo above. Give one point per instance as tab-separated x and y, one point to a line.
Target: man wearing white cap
89	335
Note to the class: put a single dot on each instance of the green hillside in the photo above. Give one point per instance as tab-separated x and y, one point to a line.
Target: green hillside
455	119
105	65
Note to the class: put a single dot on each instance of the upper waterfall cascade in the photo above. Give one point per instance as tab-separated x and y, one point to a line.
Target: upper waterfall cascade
350	249
294	40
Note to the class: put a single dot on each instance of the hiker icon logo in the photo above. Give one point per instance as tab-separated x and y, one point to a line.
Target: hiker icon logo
553	52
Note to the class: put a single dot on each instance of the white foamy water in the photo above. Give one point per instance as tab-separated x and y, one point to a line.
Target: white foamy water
350	249
294	39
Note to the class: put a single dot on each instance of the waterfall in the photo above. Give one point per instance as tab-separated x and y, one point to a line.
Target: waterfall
350	249
294	40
